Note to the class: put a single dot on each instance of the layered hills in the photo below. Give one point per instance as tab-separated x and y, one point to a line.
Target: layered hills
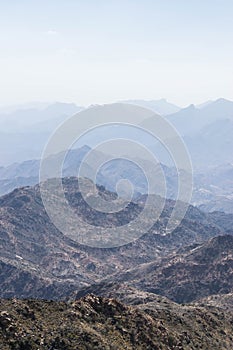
38	260
165	290
212	189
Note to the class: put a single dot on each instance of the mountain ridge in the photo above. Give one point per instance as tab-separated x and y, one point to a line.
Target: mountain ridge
30	242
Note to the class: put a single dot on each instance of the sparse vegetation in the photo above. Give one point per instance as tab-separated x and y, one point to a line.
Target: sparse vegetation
97	323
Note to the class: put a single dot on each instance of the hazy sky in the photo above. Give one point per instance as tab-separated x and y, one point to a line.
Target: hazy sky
99	51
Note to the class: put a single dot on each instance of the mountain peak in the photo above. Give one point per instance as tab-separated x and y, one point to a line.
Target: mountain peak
191	106
222	100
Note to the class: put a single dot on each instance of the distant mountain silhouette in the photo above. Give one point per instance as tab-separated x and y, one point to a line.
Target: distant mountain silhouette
28	119
25	132
161	106
193	119
213	188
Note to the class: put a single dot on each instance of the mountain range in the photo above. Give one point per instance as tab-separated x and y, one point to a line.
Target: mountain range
206	130
191	274
51	264
212	189
192	119
24	132
162	106
163	290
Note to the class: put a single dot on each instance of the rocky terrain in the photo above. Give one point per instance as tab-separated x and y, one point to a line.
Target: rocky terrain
213	189
103	323
165	290
222	301
38	260
188	275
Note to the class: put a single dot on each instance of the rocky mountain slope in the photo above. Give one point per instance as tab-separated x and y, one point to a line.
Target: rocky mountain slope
222	301
190	274
37	259
148	277
106	324
213	189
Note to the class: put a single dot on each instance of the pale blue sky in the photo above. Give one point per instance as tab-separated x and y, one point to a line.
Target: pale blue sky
102	51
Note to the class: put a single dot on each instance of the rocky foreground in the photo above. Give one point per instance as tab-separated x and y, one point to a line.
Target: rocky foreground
104	323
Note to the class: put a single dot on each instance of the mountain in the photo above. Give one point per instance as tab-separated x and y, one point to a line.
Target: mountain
204	104
207	135
28	119
7	109
26	169
187	119
24	133
206	132
221	301
138	287
16	147
213	189
219	109
162	106
212	145
27	172
191	119
30	168
38	260
188	275
8	185
101	324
